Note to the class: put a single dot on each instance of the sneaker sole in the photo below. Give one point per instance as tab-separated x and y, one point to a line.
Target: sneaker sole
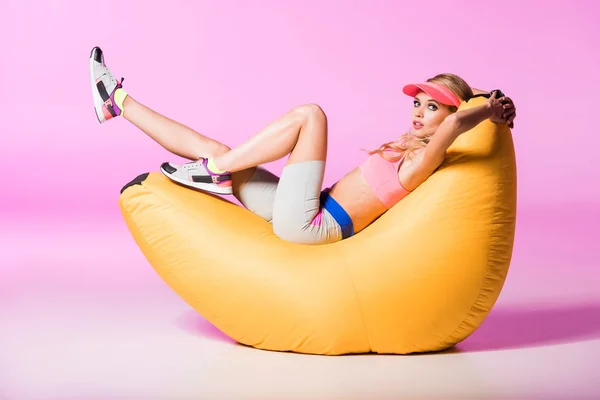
98	102
207	187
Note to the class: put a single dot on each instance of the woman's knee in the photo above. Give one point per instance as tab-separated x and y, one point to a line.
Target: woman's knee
201	149
289	232
312	111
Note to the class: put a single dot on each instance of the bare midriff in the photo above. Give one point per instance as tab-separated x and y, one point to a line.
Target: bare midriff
357	199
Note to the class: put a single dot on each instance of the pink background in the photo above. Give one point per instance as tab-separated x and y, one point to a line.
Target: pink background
227	68
81	311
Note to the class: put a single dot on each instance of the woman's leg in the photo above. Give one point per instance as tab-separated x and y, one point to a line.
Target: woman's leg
110	101
302	129
181	140
294	199
254	188
297	201
289	203
301	133
172	135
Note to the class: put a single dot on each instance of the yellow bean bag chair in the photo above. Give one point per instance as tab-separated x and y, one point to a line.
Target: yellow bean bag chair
421	278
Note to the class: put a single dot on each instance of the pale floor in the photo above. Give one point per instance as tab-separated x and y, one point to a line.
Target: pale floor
83	316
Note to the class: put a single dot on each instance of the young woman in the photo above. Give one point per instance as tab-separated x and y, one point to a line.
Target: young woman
295	203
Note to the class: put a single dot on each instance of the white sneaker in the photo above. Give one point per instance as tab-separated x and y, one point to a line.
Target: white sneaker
198	176
104	85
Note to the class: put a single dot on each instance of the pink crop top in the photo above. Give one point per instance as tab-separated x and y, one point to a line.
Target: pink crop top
382	176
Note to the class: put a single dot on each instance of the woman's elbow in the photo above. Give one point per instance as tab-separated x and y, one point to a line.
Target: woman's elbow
453	122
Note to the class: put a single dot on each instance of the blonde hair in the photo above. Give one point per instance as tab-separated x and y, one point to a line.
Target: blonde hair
408	143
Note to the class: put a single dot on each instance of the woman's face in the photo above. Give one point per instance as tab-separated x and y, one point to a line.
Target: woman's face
427	115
